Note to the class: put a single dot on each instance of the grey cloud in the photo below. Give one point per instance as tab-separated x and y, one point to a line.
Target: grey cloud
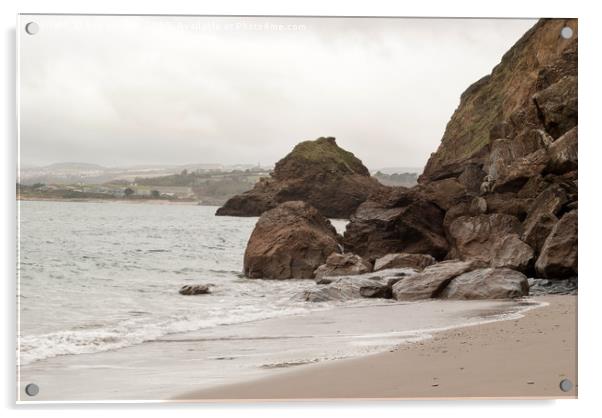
146	90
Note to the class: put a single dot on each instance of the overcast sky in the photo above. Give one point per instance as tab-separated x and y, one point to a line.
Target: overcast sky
122	91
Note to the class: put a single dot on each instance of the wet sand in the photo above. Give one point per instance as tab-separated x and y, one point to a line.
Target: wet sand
517	359
210	359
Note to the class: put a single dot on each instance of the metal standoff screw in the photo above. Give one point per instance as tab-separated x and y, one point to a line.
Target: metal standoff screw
566	385
32	28
32	389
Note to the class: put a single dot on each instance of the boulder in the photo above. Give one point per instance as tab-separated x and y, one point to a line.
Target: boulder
557	105
487	283
515	175
444	193
510	251
343	265
508	203
197	289
401	260
472	177
533	187
432	280
563	154
492	239
456	211
348	288
558	258
539	287
318	172
353	287
289	242
505	153
376	230
478	205
537	228
542	215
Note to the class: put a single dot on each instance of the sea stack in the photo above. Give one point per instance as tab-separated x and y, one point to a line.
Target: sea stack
319	172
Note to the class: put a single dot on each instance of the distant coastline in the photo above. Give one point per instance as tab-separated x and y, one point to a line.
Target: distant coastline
114	200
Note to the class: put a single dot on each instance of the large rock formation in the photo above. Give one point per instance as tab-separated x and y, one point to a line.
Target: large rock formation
532	89
318	172
289	241
504	173
499	195
377	229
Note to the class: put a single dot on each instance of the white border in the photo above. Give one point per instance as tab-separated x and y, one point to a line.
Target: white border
590	155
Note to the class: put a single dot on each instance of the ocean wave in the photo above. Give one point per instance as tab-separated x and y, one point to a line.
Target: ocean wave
133	331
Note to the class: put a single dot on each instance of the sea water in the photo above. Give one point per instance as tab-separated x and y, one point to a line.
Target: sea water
100	316
97	276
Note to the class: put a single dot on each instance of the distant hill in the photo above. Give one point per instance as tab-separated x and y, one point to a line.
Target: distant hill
86	173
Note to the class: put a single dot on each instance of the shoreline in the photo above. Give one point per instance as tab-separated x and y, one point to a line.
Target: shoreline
466	362
240	353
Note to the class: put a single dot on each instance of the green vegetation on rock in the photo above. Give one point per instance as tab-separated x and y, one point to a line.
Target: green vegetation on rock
323	151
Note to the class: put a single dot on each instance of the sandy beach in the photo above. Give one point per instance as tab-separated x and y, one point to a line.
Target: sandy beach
519	358
219	359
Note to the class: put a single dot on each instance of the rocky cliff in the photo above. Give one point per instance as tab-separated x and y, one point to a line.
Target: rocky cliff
503	182
529	95
318	172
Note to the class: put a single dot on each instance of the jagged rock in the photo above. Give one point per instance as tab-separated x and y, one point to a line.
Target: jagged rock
505	153
558	258
508	203
478	205
487	283
551	200
376	230
515	175
432	280
510	251
537	229
289	241
400	260
539	287
533	187
502	105
453	213
197	289
354	287
542	215
563	153
557	105
318	172
491	238
472	177
444	193
348	288
343	265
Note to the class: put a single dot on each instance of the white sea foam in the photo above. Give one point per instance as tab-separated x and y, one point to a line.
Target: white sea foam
130	332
